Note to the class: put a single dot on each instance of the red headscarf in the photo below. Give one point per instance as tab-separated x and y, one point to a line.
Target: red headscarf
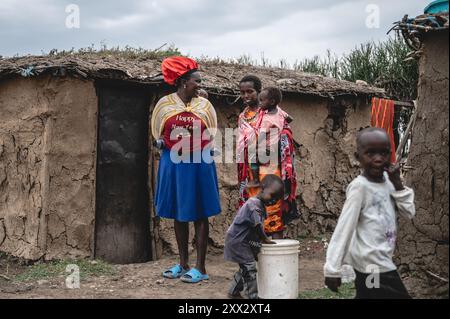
175	67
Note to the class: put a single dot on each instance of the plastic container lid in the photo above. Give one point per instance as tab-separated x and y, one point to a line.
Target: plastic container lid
282	243
437	6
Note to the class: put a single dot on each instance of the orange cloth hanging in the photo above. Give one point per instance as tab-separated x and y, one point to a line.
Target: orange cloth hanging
383	117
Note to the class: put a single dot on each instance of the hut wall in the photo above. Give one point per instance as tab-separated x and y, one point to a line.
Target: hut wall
48	143
326	131
423	242
325	165
47	167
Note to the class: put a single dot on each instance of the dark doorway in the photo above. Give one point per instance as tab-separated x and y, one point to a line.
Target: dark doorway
122	223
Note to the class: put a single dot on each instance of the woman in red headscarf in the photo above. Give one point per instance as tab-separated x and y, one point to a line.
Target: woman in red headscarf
187	187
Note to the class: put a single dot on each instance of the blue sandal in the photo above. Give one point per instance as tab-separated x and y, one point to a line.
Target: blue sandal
174	272
194	276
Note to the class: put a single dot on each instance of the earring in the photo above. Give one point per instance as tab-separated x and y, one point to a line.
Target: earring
184	86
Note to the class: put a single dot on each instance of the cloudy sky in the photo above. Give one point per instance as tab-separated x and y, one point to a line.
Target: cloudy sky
277	29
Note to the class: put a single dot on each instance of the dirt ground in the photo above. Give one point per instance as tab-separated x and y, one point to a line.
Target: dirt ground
145	280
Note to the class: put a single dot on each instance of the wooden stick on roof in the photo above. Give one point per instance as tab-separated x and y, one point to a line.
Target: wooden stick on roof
406	104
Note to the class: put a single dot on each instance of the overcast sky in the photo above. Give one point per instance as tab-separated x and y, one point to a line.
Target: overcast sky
280	29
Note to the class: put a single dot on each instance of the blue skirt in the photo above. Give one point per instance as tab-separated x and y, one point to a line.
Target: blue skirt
187	191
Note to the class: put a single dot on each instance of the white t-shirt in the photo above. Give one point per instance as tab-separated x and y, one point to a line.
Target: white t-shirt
366	231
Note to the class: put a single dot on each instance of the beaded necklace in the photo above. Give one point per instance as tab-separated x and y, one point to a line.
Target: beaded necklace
250	119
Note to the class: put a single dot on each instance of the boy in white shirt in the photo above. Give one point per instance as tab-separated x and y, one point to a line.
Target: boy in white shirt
366	231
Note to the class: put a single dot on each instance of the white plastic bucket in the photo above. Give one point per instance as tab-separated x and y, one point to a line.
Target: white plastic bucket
278	270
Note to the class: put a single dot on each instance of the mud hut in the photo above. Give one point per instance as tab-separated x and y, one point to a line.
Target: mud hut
423	242
77	167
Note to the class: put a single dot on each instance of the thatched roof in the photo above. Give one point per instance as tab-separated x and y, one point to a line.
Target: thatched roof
218	77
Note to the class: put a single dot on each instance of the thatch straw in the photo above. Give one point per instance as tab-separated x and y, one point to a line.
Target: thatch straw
218	77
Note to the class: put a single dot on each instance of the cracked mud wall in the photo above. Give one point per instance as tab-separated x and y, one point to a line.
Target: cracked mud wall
325	165
423	242
326	131
47	167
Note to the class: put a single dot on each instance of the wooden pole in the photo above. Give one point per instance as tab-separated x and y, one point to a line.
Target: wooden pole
405	137
403	104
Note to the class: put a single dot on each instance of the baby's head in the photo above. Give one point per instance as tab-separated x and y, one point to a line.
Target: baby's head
373	151
272	189
203	93
269	98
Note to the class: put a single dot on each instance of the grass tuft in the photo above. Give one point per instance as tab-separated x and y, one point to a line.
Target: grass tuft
346	291
49	270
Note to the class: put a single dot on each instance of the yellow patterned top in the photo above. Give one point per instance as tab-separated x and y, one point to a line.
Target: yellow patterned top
171	105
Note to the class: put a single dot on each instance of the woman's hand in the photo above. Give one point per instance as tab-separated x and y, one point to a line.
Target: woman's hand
159	143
